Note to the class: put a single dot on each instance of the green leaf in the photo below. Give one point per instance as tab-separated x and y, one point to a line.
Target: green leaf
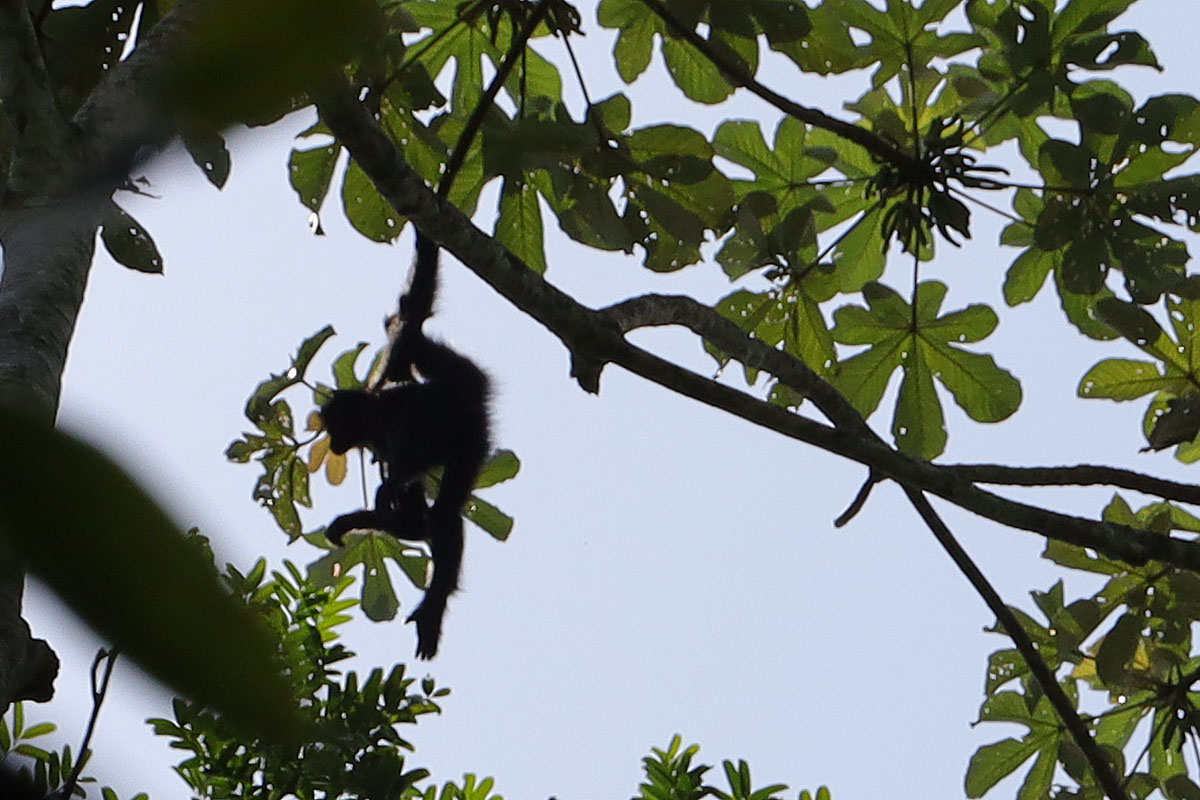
863	378
694	73
368	212
919	426
993	762
1039	779
41	729
672	153
371	550
1123	379
496	523
982	389
1064	164
1085	265
502	466
1181	787
1117	649
1129	320
519	226
344	376
310	172
1027	275
118	560
635	40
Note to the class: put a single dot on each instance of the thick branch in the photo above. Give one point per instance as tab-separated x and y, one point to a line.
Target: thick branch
128	116
39	133
594	336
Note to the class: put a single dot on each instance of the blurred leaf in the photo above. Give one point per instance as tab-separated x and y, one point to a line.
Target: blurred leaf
254	60
116	558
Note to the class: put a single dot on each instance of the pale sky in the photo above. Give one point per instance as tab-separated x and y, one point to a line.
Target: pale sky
671	569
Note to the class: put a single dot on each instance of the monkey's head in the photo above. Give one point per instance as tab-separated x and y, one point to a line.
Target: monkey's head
349	419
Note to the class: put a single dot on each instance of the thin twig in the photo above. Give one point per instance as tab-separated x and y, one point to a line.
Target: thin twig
736	74
1078	729
99	692
859	501
458	156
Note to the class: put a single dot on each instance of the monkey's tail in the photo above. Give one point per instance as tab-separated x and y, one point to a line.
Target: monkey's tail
446	548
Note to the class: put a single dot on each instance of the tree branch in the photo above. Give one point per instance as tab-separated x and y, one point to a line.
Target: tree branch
39	133
658	309
1079	475
595	338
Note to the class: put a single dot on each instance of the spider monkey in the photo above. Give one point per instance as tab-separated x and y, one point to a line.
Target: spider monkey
438	419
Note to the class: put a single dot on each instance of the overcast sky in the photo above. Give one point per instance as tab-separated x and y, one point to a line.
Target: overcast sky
671	569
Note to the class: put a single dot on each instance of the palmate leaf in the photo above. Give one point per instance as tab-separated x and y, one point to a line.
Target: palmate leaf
781	212
371	550
903	35
731	28
926	346
993	762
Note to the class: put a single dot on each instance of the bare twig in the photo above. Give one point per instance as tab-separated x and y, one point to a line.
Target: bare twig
856	505
99	691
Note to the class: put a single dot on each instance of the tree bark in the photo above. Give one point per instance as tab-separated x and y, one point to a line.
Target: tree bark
61	177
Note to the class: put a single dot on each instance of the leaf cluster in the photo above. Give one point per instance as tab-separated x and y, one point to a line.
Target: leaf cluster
671	775
825	198
353	747
1130	643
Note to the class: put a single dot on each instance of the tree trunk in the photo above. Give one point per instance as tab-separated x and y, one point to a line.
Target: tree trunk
60	178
